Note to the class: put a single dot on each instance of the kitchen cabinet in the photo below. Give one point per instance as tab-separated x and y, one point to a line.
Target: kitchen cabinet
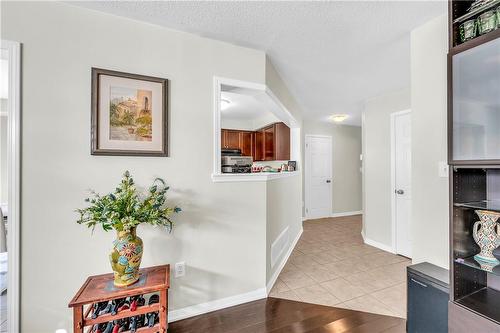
270	143
236	139
268	135
258	146
273	143
230	139
246	143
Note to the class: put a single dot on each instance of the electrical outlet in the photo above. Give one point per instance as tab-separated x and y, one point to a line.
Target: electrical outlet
180	269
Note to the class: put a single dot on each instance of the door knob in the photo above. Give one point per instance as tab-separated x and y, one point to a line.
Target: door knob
400	192
328	181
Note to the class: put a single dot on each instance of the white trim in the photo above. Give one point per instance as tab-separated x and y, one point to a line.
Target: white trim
218	304
14	153
307	164
357	212
393	177
378	245
251	177
277	272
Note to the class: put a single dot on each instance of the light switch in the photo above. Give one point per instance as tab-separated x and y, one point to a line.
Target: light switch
443	169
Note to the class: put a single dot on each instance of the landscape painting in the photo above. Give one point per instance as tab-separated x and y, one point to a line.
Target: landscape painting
129	114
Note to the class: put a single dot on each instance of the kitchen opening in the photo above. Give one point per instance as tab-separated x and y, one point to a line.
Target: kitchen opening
258	136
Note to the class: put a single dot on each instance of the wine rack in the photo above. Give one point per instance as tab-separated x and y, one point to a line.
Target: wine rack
99	289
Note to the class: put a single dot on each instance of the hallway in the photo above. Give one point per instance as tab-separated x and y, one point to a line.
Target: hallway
332	266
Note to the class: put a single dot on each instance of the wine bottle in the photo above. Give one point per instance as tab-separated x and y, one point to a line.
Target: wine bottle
126	305
97	308
116	304
109	327
152	317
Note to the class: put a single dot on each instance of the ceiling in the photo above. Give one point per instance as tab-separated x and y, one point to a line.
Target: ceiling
243	107
332	55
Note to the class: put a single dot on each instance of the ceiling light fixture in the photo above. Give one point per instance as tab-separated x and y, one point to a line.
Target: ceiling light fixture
224	103
338	118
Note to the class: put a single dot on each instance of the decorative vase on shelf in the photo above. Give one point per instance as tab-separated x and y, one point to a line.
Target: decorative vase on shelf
126	257
486	235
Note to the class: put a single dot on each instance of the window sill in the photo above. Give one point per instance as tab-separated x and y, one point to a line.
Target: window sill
251	177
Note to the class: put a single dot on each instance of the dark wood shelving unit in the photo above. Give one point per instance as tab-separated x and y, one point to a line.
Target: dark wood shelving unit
485	302
474	171
458	12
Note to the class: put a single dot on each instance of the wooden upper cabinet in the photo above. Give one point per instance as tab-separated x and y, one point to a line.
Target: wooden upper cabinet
258	154
270	143
268	134
246	143
281	142
230	139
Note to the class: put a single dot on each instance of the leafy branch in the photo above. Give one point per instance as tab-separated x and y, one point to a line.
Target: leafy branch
124	209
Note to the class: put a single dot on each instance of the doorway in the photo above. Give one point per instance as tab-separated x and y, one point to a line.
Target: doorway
401	182
10	76
318	176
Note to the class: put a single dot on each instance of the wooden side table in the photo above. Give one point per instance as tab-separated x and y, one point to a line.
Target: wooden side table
100	288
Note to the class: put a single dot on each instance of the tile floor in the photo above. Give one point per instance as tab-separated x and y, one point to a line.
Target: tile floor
332	266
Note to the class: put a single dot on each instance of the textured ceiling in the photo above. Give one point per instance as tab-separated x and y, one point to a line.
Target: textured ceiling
332	55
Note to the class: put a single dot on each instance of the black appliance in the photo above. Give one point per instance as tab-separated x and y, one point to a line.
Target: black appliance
428	295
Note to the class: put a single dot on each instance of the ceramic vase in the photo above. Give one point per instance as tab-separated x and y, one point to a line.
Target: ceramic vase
485	233
126	258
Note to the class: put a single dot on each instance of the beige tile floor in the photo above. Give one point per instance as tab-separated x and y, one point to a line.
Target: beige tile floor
332	266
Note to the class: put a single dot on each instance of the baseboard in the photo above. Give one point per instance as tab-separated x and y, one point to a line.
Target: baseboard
218	304
282	263
357	212
376	244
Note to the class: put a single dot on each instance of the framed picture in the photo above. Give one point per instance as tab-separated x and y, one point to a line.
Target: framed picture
129	114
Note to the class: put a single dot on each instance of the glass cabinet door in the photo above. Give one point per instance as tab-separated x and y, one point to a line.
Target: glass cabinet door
476	103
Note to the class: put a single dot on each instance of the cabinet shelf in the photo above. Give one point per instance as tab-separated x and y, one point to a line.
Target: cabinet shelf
476	11
490	205
471	262
485	301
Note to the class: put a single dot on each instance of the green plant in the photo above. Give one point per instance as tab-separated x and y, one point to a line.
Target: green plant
124	209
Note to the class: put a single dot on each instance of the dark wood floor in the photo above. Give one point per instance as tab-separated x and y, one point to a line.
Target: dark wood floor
284	316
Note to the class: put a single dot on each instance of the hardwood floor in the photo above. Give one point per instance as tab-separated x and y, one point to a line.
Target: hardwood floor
287	316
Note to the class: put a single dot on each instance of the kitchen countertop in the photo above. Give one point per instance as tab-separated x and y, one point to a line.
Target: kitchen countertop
251	177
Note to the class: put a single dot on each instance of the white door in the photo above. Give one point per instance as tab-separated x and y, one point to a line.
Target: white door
318	176
402	182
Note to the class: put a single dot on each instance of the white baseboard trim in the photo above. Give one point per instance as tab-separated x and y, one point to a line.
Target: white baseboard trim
273	279
218	304
378	245
357	212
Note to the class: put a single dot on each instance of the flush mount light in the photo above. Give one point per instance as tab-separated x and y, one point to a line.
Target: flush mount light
224	103
338	118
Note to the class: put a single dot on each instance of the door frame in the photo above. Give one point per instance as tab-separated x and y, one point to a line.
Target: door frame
393	176
307	167
14	176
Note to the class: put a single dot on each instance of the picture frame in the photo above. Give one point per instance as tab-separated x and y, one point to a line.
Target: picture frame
129	114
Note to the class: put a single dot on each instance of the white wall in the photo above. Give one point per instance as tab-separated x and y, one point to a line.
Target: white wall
283	211
220	235
377	189
3	151
346	148
429	46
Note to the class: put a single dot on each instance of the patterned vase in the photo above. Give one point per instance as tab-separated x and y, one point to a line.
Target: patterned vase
126	258
487	237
